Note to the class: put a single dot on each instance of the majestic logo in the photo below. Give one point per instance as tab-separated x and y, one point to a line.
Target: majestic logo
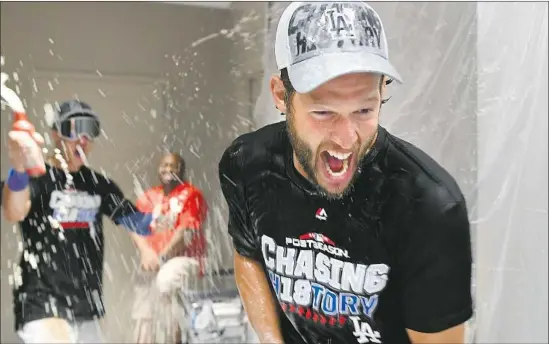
74	209
321	214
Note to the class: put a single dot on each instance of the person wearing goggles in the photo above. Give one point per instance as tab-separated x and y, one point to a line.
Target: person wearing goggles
59	296
74	130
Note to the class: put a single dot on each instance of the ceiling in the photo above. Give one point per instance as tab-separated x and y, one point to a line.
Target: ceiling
210	4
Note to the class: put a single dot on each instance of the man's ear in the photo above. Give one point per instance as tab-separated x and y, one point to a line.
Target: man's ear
383	89
278	92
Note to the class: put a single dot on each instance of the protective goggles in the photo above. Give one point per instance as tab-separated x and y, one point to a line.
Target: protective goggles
75	128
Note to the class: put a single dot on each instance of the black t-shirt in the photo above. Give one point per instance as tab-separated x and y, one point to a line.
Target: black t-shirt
62	260
395	254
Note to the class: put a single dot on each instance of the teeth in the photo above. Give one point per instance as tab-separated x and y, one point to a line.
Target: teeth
340	173
340	156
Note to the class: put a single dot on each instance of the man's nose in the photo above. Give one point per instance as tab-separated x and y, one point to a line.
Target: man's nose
83	141
345	132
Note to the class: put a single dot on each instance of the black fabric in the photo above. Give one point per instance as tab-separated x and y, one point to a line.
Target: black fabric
394	255
62	266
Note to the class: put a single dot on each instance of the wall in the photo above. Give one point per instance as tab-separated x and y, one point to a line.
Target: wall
512	173
122	45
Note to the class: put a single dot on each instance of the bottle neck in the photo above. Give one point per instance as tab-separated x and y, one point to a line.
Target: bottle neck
19	116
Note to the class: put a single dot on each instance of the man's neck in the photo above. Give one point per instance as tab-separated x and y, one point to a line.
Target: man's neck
168	188
52	161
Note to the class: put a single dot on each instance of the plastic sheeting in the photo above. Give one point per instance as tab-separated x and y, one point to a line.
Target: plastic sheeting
475	99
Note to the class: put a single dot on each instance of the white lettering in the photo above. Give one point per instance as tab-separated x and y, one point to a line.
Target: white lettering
335	281
81	200
304	266
376	278
302	292
322	271
268	245
286	289
285	260
336	251
352	278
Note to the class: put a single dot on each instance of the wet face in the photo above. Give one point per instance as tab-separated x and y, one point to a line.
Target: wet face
169	170
74	152
332	129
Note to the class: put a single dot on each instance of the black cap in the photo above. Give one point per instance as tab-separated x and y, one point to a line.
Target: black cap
74	108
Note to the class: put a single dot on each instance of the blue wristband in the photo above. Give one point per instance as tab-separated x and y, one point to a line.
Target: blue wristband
17	181
137	222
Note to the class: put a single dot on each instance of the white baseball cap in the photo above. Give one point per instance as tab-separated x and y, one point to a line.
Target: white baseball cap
320	41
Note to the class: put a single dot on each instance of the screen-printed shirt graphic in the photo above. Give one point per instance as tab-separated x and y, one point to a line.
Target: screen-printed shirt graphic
394	254
184	208
73	208
62	260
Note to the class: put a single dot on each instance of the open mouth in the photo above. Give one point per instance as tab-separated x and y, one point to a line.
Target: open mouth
336	163
167	176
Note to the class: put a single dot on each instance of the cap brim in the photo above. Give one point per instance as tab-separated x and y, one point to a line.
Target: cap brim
308	75
72	113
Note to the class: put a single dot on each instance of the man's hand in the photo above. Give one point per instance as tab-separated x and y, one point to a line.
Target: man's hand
19	147
16	204
150	261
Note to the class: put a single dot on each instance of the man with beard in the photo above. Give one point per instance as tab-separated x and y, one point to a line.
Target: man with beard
178	245
343	233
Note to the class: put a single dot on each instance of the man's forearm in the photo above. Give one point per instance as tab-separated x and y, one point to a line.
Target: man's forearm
15	203
258	300
178	243
139	241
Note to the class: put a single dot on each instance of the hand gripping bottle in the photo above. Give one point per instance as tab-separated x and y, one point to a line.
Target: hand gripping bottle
34	164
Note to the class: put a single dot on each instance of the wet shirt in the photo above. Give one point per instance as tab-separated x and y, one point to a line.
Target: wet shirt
62	236
394	254
184	208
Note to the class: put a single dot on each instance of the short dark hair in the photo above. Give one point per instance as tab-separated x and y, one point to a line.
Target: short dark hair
289	89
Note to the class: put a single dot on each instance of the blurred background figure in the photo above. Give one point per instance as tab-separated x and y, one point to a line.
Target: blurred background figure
173	256
60	216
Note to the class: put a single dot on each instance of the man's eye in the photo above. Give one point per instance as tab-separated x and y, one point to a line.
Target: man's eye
322	113
364	111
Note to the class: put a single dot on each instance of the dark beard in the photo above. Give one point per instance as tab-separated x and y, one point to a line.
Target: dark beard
306	159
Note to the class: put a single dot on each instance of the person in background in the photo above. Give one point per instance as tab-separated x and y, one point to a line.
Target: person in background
59	293
179	246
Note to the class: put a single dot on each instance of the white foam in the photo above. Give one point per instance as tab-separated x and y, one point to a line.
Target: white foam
9	96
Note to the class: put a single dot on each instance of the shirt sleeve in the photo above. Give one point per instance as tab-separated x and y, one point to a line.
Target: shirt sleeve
435	269
144	203
114	204
230	173
194	211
